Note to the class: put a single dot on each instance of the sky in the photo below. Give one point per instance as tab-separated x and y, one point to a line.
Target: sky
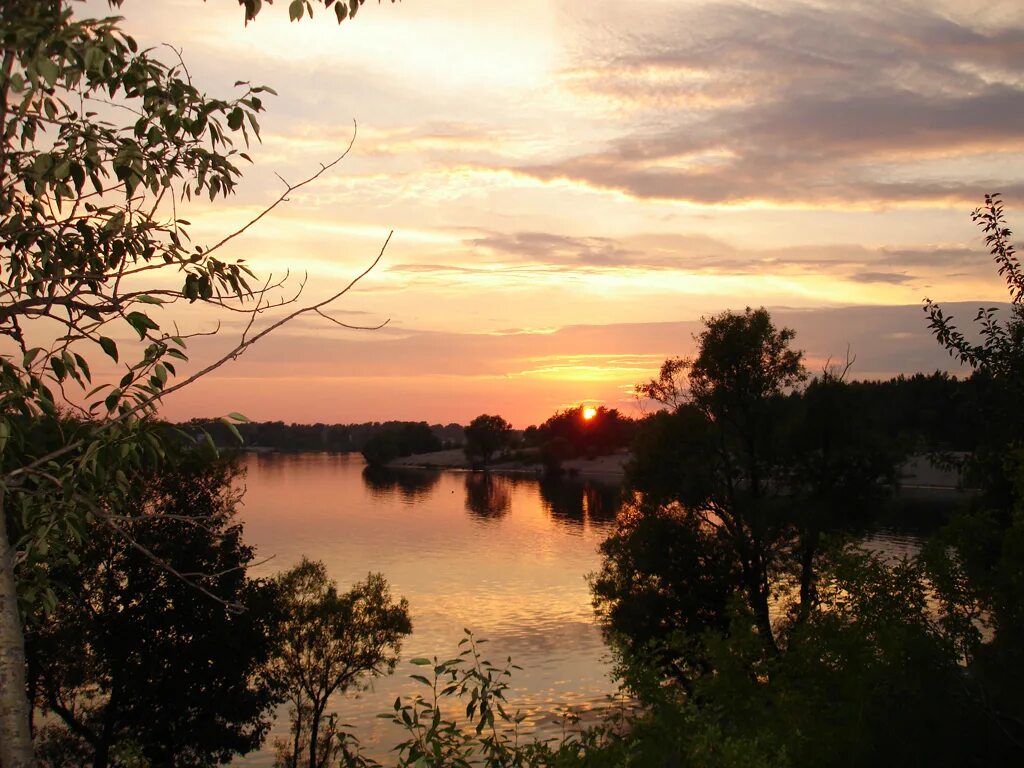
573	184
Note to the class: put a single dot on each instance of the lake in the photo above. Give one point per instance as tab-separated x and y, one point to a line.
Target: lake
501	555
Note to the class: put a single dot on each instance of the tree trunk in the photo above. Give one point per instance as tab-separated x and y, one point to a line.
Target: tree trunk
808	577
762	618
758	590
755	580
15	736
297	740
315	711
102	745
101	757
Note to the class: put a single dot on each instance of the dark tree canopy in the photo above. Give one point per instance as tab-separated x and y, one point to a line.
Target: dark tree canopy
103	145
134	658
604	432
663	576
762	466
751	485
743	360
486	435
397	440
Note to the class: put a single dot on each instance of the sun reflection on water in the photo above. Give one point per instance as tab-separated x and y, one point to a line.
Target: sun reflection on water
505	556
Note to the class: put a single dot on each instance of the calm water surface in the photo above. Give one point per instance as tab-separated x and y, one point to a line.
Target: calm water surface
503	556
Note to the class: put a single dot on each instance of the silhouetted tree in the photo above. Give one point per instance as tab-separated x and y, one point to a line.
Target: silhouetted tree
912	662
665	574
726	424
485	436
398	439
330	642
133	657
988	539
605	432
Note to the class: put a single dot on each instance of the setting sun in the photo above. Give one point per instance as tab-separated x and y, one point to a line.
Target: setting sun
589	412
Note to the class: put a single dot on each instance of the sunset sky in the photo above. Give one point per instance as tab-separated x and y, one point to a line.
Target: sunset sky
572	184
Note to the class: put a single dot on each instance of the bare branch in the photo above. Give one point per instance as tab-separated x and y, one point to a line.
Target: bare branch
237	351
166	566
291	188
352	327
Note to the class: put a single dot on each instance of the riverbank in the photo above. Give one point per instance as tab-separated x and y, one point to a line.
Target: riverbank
918	474
611	467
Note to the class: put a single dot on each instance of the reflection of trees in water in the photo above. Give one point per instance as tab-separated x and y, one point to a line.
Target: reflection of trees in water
573	502
487	496
411	484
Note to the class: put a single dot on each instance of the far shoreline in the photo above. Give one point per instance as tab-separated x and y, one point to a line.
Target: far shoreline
610	467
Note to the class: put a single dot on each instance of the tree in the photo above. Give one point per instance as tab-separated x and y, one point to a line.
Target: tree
914	661
133	656
663	576
331	642
485	436
764	467
985	545
729	423
99	144
605	431
399	439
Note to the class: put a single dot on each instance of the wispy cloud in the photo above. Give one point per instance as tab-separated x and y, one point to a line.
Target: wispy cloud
532	254
801	104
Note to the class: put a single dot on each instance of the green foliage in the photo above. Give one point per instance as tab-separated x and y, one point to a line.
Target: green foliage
86	211
134	658
1001	348
341	9
100	142
909	662
330	642
982	553
485	436
873	675
465	719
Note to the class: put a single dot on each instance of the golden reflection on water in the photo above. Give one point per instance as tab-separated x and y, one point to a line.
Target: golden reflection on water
504	556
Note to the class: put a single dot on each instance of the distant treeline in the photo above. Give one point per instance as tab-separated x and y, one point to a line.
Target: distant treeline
933	412
936	410
338	438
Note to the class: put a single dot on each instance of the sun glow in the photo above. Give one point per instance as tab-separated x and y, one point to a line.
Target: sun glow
589	412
